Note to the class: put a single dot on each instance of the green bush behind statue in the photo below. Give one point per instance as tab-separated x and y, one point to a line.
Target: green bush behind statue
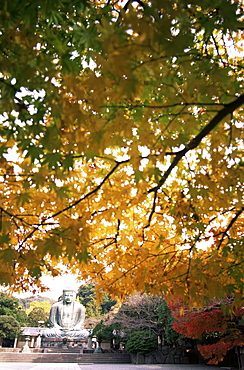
142	341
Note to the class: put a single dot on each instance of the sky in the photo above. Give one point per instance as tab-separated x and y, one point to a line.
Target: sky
57	284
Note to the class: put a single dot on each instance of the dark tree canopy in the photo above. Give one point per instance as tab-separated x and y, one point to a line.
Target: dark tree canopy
146	313
9	327
10	306
87	296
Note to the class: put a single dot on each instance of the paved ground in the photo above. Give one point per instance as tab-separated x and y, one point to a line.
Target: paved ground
69	366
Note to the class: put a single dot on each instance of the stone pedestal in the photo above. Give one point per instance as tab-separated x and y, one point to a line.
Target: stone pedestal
99	348
65	343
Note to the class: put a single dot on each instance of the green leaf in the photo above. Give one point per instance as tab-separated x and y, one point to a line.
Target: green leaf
36	271
23	198
4	239
68	162
53	160
63	192
138	176
34	152
8	255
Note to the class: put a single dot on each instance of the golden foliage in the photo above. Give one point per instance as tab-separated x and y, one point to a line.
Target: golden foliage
122	144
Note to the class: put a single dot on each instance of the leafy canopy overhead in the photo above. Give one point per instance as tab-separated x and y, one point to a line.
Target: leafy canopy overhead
121	143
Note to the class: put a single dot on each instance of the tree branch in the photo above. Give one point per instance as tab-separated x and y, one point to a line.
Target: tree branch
228	109
12	216
74	203
225	233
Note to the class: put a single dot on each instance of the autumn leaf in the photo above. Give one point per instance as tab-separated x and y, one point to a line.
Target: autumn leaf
122	145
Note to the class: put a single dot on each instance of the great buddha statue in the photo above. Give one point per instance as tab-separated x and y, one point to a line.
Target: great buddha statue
67	318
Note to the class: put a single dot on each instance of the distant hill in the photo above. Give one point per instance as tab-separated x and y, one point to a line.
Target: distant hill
25	302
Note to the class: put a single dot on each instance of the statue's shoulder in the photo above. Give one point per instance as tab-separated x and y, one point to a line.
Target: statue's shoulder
79	305
57	304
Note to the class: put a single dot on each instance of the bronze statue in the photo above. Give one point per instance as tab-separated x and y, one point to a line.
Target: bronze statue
67	318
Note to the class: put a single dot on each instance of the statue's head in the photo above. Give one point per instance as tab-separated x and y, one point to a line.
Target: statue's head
69	295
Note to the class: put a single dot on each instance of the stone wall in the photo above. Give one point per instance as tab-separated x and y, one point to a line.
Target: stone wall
166	355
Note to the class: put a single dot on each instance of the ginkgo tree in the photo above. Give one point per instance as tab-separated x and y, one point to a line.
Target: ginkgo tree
121	145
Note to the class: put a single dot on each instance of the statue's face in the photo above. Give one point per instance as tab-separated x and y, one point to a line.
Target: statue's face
68	296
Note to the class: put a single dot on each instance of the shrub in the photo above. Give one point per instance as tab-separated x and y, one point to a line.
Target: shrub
142	341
